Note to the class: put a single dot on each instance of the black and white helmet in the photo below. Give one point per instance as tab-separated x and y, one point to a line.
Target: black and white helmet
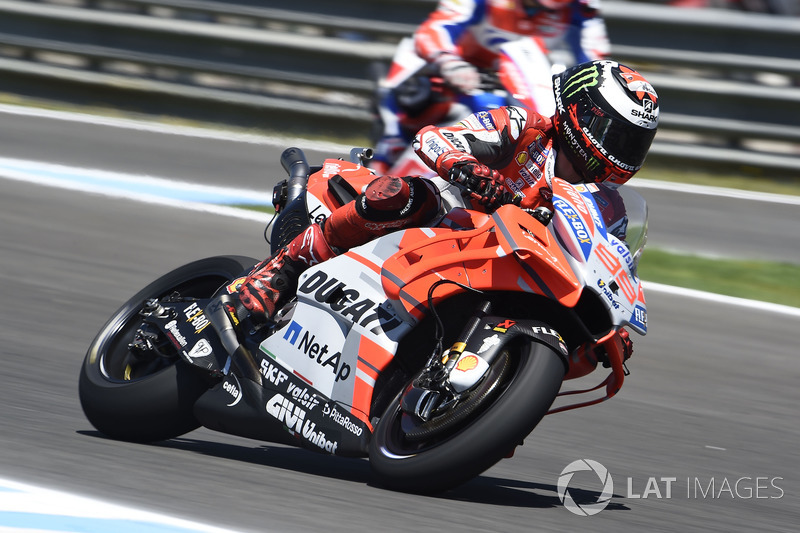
606	119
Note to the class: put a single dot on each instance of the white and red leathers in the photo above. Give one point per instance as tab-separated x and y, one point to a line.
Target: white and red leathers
520	145
461	35
474	29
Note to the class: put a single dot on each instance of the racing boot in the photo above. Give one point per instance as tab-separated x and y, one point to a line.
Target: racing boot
273	282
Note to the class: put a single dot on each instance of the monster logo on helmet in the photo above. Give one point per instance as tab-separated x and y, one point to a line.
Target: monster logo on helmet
585	78
606	118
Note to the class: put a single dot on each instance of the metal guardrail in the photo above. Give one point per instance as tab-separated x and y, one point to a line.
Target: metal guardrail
728	82
309	21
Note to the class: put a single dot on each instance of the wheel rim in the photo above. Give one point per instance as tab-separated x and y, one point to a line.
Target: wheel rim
419	437
119	364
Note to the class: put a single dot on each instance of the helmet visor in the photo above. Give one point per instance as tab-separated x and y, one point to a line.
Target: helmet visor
624	144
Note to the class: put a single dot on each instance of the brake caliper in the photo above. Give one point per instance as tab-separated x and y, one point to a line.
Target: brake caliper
149	338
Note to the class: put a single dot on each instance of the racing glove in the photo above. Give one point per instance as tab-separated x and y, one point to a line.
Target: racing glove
459	74
485	185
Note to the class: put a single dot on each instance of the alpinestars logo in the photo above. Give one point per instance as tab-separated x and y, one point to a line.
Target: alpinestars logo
585	509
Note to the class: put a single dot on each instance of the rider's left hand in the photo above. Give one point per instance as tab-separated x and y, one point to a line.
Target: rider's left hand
485	185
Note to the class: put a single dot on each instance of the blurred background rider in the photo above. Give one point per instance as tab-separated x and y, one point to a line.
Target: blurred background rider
462	37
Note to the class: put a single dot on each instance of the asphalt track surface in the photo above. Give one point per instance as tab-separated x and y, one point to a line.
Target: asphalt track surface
712	399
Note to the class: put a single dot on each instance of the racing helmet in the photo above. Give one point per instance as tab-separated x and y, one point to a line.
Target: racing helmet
606	119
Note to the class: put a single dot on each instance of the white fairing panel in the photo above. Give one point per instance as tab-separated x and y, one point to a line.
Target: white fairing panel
602	261
340	303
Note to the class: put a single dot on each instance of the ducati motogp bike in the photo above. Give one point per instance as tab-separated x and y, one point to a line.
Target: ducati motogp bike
431	351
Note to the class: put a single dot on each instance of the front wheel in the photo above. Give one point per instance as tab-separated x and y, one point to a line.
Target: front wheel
129	397
525	392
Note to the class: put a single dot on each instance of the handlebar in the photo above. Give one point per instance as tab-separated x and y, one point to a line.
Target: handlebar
294	162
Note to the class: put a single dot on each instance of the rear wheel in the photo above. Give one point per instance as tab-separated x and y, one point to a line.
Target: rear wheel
431	457
128	396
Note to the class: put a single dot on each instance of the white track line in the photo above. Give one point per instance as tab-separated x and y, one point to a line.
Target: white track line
169	129
721	192
722	299
27	508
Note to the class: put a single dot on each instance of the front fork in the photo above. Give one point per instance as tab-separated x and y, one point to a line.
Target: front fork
452	373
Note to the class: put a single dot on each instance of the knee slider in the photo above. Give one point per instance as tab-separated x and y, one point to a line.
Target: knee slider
392	198
387	193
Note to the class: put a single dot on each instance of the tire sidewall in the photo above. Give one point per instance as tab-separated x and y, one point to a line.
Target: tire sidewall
160	406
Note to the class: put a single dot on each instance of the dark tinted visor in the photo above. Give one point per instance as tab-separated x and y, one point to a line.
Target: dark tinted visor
627	143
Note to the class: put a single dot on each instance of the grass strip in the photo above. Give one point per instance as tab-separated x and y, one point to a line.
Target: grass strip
755	280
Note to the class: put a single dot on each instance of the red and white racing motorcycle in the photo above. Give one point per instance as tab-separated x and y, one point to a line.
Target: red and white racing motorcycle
433	351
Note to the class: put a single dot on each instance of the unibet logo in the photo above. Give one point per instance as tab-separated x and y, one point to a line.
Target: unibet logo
586	509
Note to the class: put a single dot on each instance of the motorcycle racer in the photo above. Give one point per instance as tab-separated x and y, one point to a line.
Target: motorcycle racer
461	37
606	118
